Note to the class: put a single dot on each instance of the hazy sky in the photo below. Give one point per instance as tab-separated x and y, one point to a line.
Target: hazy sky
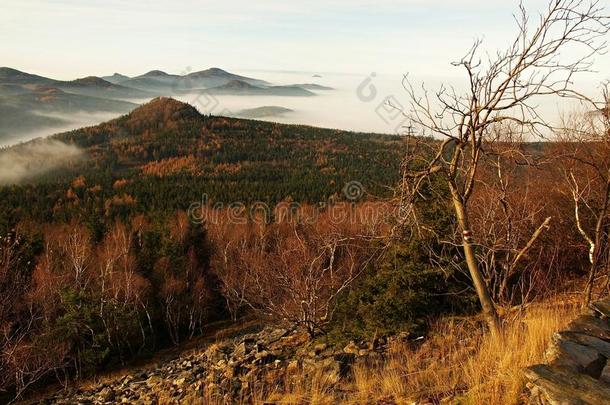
73	38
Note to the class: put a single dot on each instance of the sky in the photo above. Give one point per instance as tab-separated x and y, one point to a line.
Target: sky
66	39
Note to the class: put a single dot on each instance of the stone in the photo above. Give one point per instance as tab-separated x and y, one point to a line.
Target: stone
351	348
558	385
605	374
243	348
599	345
578	357
264	357
592	326
153	380
107	395
290	341
602	308
319	348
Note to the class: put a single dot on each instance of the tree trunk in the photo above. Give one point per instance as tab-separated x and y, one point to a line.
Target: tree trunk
489	310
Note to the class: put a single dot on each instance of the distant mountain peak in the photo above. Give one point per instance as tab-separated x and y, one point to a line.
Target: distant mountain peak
117	75
7	71
210	72
216	70
155	73
92	80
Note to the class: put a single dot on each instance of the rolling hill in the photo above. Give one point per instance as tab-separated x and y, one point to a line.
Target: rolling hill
313	86
97	87
166	155
164	83
263	112
50	109
13	76
238	87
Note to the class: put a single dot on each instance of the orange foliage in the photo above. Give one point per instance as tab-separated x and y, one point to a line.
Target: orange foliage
121	183
79	182
169	166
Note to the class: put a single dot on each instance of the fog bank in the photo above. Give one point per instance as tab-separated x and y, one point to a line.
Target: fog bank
34	158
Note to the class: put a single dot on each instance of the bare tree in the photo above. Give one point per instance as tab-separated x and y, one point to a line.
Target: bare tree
509	219
502	87
292	271
587	174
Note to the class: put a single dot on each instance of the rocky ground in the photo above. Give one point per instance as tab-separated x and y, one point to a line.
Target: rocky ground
229	372
578	370
235	370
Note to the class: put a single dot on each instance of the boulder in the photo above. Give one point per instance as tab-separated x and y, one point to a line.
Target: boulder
558	386
592	326
602	308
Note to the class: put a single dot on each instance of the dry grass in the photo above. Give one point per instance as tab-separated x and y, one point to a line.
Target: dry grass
458	361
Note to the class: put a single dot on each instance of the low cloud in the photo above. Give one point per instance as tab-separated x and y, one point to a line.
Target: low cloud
25	161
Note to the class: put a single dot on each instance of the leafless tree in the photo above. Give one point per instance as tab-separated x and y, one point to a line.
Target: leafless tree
290	271
502	87
587	174
509	219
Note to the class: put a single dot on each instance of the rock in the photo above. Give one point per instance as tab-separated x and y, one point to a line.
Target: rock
243	348
153	380
557	386
276	334
319	348
605	375
580	358
264	357
602	308
227	372
107	395
290	341
600	345
592	326
351	348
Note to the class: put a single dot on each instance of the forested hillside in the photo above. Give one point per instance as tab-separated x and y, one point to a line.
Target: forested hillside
165	156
